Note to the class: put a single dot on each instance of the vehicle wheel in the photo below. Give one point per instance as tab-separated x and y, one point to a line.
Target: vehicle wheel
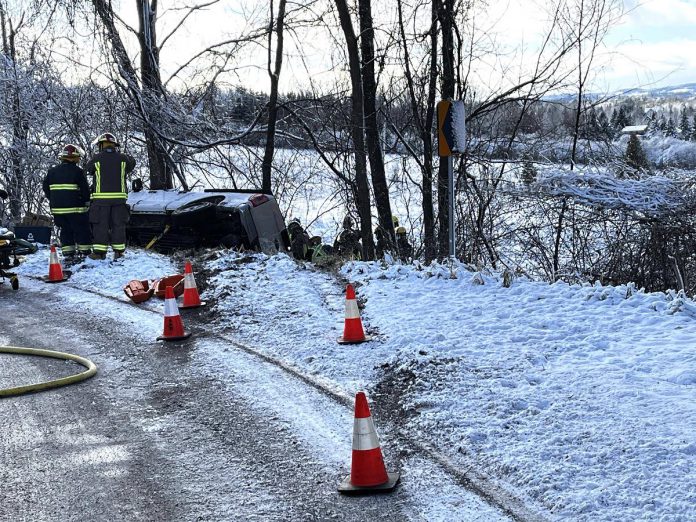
14	281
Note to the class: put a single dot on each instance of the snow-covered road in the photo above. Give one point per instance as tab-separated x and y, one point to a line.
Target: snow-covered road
201	430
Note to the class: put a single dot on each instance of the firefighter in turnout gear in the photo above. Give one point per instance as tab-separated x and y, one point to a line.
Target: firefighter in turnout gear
108	213
66	188
299	239
348	244
403	246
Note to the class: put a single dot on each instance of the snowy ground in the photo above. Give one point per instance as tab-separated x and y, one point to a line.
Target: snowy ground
580	397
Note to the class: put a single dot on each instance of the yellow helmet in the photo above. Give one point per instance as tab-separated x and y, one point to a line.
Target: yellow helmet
395	221
401	230
71	153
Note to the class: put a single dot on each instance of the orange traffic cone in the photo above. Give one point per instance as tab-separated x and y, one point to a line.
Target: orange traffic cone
191	297
55	270
173	325
367	470
353	332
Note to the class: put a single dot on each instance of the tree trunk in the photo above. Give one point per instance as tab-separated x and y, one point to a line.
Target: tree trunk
18	147
146	99
374	149
424	126
427	138
446	17
363	189
152	93
273	98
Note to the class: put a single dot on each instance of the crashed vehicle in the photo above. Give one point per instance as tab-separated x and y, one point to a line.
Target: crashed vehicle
167	220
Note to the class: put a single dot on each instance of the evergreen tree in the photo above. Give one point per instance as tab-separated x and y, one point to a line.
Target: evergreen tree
615	125
624	118
693	130
670	130
529	171
635	155
684	128
662	125
605	129
592	125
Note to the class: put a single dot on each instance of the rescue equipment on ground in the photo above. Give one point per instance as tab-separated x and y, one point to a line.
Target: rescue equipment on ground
191	297
353	332
139	291
176	281
173	325
368	473
55	269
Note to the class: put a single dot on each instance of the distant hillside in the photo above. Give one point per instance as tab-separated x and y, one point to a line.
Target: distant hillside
683	92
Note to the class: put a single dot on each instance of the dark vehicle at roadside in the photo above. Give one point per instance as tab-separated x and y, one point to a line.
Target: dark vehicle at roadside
168	220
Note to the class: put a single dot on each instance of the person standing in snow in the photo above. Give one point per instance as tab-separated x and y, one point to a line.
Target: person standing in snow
109	213
67	191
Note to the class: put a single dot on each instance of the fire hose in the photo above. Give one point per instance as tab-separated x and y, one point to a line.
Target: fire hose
71	379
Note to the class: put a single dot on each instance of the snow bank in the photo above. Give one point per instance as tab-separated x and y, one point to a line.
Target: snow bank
580	396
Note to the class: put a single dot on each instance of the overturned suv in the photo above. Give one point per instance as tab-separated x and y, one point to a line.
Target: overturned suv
170	219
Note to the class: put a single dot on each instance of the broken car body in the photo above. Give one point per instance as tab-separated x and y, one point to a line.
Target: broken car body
173	219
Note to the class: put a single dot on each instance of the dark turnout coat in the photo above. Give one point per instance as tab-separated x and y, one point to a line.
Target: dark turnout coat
109	168
66	189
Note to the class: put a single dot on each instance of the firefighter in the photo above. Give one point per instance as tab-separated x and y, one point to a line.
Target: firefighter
67	191
321	254
299	239
402	245
348	242
381	244
108	212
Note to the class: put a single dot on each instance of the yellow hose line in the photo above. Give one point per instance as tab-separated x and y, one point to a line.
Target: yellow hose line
72	379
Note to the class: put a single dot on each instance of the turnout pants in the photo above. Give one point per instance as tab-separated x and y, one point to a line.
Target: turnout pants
108	220
74	231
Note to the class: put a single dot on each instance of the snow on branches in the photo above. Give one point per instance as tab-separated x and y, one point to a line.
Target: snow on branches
651	196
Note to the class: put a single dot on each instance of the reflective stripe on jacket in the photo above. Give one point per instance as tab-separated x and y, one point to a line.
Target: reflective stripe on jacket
66	188
109	168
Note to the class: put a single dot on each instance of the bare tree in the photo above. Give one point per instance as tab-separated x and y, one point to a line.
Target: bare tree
423	116
587	23
374	149
273	98
147	93
362	192
17	111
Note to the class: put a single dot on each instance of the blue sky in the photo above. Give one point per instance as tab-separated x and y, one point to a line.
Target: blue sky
654	45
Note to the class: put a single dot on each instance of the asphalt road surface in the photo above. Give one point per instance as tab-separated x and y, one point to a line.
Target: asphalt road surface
191	431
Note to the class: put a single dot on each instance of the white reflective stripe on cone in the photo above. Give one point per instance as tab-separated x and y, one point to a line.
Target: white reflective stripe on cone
170	308
364	434
189	281
54	258
352	309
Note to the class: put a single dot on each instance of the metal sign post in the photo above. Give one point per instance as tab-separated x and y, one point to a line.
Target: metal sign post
450	190
451	141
